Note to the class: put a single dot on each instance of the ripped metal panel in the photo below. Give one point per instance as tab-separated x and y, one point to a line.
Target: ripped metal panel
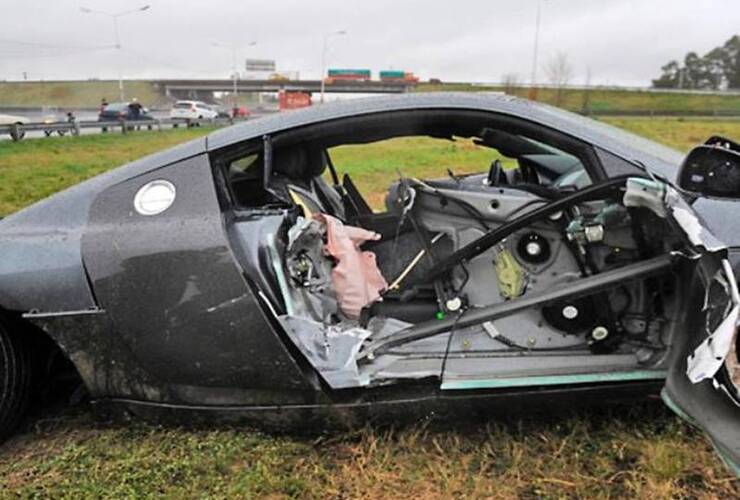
708	358
331	349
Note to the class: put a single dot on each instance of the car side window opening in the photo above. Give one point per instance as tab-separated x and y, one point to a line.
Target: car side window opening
508	157
464	214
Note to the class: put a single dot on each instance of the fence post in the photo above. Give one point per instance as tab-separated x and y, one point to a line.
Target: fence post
124	128
75	128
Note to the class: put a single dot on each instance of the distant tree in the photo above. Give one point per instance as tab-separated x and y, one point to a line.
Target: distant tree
716	69
510	82
670	78
731	62
696	72
559	72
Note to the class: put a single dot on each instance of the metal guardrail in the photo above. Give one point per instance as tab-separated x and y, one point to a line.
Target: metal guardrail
17	131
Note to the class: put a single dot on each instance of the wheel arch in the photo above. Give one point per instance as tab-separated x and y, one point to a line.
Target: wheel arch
48	356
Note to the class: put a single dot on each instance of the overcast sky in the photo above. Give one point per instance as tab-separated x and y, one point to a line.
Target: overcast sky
623	42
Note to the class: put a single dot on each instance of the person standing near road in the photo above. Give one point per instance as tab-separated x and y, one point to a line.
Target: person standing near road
135	108
103	104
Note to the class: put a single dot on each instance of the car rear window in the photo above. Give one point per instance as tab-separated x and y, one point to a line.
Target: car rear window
183	105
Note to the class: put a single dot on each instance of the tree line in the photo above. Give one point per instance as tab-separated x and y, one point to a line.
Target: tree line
717	69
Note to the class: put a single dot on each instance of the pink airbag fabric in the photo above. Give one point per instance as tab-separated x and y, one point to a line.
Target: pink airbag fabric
356	278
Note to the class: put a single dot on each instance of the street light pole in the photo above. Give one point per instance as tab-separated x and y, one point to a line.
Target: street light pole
120	66
117	36
533	80
234	75
234	72
323	58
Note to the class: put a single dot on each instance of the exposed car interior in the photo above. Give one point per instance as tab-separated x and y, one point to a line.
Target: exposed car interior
537	266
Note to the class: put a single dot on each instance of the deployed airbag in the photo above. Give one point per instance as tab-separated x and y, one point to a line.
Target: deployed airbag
356	278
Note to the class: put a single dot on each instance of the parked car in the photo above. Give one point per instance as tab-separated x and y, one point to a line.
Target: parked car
11	119
52	119
230	279
14	120
193	110
116	111
240	112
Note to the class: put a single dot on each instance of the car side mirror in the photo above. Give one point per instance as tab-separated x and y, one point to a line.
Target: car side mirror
712	169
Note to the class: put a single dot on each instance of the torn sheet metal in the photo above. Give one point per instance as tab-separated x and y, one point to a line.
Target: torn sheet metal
663	199
708	358
646	193
331	349
310	270
695	230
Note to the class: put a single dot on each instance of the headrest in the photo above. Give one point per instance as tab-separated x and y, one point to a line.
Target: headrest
299	162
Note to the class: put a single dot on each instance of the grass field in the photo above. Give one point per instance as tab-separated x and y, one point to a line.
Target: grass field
604	101
75	94
88	94
627	451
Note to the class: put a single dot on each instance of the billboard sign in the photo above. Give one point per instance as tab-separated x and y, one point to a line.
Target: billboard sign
261	65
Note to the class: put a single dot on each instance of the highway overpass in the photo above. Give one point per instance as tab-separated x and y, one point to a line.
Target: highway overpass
201	88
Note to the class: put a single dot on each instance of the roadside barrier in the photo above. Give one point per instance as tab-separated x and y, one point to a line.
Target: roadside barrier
17	131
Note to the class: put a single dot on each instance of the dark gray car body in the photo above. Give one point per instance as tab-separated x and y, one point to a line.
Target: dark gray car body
134	302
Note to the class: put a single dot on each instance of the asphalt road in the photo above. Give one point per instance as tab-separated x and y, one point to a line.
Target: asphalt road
83	115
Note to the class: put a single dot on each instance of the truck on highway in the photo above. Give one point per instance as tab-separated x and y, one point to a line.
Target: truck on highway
392	75
362	75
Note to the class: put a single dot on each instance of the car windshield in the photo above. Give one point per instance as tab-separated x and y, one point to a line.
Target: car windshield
116	106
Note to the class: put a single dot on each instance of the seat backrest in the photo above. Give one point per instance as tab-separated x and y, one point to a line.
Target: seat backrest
300	168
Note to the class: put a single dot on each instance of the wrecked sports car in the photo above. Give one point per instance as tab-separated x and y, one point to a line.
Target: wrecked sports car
240	277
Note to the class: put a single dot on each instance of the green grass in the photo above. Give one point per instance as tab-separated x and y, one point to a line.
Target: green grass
679	133
637	451
641	451
32	169
622	101
75	94
88	94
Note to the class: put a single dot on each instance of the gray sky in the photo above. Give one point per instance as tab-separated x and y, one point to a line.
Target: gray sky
622	41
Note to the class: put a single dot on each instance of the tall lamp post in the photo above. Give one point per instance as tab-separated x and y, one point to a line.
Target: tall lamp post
533	79
234	71
115	16
323	57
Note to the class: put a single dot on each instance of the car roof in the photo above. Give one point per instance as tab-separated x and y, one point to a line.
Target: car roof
617	141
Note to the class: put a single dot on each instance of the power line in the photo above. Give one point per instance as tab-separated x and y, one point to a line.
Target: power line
16	55
54	46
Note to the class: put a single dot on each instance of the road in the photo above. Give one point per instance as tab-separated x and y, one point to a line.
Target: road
87	116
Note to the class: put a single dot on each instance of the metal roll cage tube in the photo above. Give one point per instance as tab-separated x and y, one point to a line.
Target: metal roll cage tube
586	286
491	238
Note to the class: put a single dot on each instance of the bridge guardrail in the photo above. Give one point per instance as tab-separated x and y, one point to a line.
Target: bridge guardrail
18	131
